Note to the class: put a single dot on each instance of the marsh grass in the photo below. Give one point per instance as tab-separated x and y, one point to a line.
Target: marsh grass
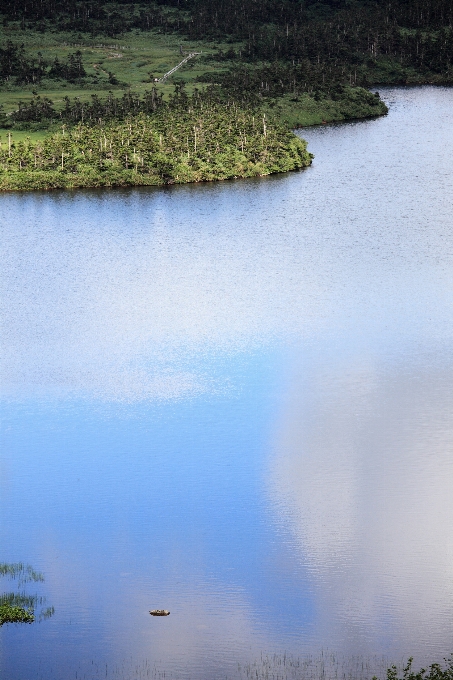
305	110
326	665
433	672
132	59
18	606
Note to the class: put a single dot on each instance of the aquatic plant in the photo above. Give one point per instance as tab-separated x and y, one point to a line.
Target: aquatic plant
12	614
23	573
18	607
285	666
434	672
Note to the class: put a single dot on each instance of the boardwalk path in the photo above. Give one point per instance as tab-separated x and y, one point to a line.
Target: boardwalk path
169	73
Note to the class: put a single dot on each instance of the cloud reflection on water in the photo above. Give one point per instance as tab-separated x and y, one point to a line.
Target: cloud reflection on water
363	474
104	318
343	274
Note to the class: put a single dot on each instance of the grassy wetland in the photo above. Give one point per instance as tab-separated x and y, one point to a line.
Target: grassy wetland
201	136
46	75
133	61
298	64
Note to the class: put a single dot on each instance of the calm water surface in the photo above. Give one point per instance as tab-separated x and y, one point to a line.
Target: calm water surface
234	401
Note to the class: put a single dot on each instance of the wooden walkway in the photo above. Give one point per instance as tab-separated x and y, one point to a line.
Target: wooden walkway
169	73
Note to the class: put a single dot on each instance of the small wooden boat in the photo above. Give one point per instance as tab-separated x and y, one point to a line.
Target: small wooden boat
159	612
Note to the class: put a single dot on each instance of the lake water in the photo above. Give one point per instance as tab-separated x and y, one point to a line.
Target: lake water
234	401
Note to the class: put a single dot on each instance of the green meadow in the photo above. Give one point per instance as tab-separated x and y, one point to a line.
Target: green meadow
132	63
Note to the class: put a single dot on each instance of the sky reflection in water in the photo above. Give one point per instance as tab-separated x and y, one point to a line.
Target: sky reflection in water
234	401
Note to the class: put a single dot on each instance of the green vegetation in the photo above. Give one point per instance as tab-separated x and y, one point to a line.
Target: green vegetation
433	672
13	614
329	664
305	110
185	140
355	42
18	607
130	60
300	62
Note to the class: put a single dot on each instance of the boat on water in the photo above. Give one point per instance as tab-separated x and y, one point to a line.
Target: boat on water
159	612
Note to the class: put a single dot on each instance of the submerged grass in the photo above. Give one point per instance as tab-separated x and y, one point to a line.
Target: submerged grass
18	607
324	666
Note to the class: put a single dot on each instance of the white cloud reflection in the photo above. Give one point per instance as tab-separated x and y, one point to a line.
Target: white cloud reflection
363	475
139	313
133	296
124	319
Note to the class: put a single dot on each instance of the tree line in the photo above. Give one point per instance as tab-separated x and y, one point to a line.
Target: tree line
184	140
356	43
219	17
19	68
97	109
275	79
359	38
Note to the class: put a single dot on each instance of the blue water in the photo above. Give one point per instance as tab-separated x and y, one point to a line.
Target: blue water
234	401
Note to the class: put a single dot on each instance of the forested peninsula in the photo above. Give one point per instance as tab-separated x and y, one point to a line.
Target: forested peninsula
179	143
220	83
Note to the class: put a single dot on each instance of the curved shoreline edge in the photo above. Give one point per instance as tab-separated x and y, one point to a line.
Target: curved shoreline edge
201	144
50	181
202	138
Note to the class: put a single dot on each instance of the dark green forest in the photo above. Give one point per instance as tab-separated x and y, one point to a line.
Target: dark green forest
354	42
278	47
16	65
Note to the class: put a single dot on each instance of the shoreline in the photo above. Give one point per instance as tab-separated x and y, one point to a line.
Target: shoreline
263	142
78	181
208	142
